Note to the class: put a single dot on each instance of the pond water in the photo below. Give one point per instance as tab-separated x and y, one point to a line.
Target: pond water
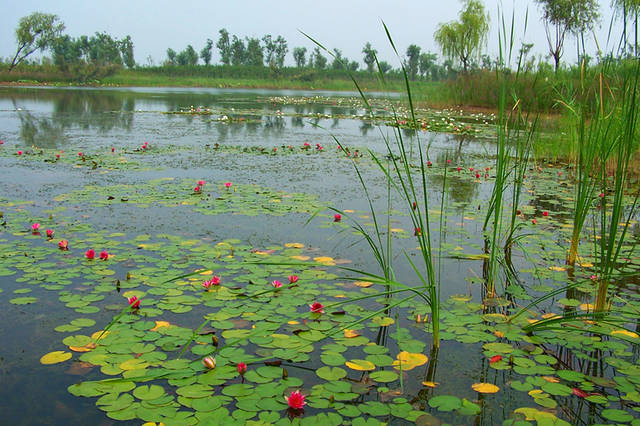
119	170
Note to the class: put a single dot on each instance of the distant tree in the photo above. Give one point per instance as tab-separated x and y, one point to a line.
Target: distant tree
269	49
126	49
254	53
318	61
413	60
369	56
171	56
426	63
299	54
37	31
353	65
385	67
224	46
281	51
238	51
188	56
92	57
338	60
205	53
566	17
462	40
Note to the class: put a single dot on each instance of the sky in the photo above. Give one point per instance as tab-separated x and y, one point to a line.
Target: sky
347	25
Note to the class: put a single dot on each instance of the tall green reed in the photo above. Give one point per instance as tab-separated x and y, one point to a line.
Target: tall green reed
399	171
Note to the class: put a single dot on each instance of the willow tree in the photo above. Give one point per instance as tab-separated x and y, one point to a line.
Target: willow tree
562	17
462	40
37	31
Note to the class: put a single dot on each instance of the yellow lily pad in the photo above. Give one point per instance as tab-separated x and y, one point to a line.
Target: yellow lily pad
360	365
625	333
408	361
303	258
485	388
294	245
161	324
363	284
55	357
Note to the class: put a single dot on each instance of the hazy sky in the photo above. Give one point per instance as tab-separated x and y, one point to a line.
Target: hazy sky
347	24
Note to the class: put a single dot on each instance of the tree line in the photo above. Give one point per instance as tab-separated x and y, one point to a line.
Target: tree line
461	44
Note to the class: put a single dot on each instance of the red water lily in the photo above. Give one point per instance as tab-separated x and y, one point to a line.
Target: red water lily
317	308
113	149
49	233
63	244
429	163
293	279
545	213
337	217
417	231
90	254
19	152
134	302
196	189
495	358
104	255
458	168
242	368
295	400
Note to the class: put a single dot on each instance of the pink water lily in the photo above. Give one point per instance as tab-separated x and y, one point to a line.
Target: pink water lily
80	154
63	244
19	152
201	183
57	156
295	400
90	254
293	279
242	368
35	227
104	255
276	284
227	185
49	233
337	217
134	302
317	308
196	189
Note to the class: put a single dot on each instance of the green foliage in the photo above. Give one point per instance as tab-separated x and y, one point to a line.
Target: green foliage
461	40
37	31
254	55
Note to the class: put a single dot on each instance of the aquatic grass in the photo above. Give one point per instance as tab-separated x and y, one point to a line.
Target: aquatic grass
611	237
512	155
399	175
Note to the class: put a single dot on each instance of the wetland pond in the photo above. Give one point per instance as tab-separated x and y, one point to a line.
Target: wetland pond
151	193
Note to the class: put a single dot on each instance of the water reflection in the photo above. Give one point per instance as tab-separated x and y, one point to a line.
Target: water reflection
53	117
